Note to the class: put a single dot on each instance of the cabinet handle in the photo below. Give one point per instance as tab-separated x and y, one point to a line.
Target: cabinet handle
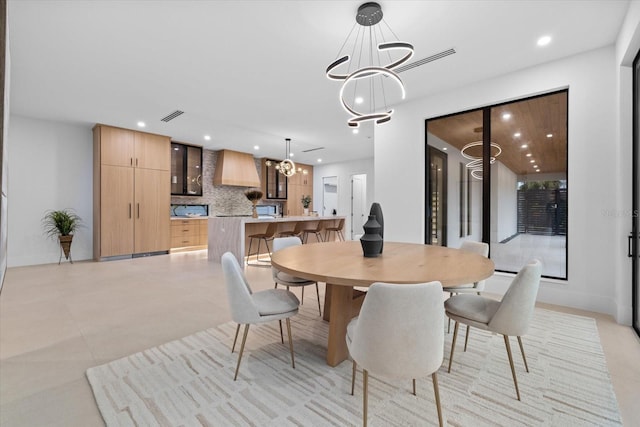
138	210
136	162
131	161
129	210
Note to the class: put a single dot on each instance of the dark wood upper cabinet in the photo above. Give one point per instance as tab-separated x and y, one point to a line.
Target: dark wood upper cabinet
186	170
274	184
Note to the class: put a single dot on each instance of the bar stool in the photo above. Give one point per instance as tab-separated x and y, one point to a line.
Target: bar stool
317	231
336	229
298	228
266	236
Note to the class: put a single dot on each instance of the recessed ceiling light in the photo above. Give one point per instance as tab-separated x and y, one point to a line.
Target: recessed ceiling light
290	154
549	135
532	161
444	148
197	166
544	40
359	100
319	160
537	170
141	124
207	138
176	149
524	146
356	131
516	135
506	116
528	154
256	147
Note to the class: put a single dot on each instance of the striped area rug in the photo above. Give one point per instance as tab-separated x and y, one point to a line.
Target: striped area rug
189	382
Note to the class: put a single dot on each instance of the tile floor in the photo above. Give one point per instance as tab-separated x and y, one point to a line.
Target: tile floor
57	321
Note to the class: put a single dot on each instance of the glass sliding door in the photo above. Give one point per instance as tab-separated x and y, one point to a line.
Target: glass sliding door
462	219
508	176
529	184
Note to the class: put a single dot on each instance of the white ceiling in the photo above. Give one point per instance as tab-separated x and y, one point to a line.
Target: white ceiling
252	72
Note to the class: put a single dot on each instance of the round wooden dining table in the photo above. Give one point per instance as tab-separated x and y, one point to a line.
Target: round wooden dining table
341	265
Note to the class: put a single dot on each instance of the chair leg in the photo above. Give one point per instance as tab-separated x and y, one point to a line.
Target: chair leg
436	391
365	396
258	253
524	358
340	236
453	344
302	299
235	339
513	369
353	377
275	285
244	340
266	243
281	336
414	386
466	338
249	250
318	294
293	362
449	326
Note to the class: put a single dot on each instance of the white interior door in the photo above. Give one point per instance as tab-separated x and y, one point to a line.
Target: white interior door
358	205
329	195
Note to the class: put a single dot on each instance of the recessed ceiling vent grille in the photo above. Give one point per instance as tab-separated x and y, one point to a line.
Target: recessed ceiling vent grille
426	60
312	149
172	116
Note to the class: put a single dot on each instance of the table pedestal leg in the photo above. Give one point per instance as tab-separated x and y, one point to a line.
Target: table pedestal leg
343	305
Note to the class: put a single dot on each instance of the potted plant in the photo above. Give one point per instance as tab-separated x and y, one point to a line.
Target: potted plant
62	224
254	197
306	201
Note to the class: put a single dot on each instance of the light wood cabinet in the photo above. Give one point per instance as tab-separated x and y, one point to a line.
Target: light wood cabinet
300	184
131	192
189	233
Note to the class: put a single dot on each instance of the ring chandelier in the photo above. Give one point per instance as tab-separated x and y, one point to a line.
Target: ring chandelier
475	165
378	77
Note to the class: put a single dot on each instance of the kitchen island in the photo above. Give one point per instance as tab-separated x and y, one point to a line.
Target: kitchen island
230	233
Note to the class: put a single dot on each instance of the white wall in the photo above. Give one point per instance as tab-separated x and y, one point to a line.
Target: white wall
594	241
51	168
504	202
343	171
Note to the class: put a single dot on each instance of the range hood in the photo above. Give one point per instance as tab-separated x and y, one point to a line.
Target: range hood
236	168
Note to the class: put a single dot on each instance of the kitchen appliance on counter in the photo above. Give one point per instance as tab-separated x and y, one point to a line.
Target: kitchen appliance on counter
267	210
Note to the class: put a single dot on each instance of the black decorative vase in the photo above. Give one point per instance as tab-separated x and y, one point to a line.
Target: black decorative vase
376	210
371	241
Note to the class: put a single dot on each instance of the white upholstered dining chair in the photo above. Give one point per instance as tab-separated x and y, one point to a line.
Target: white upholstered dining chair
509	317
479	248
284	279
249	307
399	334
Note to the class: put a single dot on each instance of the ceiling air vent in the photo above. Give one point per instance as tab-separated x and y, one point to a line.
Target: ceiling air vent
312	149
172	116
426	60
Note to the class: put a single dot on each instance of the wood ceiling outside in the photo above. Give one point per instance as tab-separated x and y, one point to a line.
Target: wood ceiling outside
533	118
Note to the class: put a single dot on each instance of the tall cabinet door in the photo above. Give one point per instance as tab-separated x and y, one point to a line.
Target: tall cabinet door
152	201
116	211
117	146
152	151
